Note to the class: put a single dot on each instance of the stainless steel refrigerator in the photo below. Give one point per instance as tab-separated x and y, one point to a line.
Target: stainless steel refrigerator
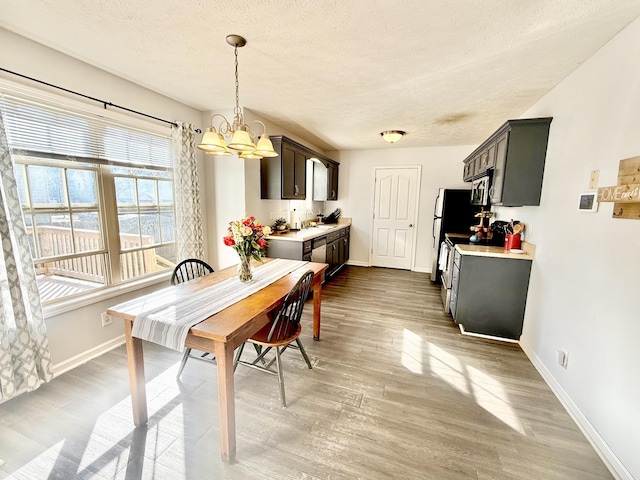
452	213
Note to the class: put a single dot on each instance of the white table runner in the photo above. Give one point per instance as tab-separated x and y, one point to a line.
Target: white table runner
168	321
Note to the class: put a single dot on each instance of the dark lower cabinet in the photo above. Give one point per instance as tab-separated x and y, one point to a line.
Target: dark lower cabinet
337	250
489	294
290	250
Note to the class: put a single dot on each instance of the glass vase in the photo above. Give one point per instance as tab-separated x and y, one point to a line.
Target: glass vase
245	274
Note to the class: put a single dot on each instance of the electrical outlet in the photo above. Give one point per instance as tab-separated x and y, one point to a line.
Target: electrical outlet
106	319
593	179
563	358
272	215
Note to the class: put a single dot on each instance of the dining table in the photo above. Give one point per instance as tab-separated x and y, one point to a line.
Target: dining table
220	334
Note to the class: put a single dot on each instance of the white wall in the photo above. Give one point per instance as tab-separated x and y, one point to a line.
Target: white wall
441	167
583	295
78	333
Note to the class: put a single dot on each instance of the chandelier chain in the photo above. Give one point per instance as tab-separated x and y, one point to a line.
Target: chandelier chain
237	110
243	139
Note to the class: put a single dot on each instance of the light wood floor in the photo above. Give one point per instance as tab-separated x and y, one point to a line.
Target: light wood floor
395	393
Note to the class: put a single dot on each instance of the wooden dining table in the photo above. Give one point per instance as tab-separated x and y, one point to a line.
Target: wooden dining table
219	334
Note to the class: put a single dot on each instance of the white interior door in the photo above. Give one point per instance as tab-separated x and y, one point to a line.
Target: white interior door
394	217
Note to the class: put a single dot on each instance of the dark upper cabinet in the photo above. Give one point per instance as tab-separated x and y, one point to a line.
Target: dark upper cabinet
514	156
284	176
325	179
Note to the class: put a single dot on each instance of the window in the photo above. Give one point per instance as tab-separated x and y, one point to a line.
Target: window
96	194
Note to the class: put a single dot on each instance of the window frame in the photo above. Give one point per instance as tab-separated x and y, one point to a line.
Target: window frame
107	208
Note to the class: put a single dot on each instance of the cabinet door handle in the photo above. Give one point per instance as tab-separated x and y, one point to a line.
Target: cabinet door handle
411	225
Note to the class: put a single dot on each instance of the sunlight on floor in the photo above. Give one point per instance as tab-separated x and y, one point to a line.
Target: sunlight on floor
491	395
43	464
115	447
412	351
448	368
486	391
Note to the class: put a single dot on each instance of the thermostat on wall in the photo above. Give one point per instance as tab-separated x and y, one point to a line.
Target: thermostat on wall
588	202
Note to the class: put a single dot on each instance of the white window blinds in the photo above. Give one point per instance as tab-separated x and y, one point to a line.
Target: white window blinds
36	128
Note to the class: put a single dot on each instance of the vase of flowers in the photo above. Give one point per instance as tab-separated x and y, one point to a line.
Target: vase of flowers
246	236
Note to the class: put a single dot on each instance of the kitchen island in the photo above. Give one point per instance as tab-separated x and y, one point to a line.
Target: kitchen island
489	290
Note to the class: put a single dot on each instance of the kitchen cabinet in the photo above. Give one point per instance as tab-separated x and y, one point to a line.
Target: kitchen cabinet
489	294
325	180
333	252
290	250
337	247
514	156
284	176
343	254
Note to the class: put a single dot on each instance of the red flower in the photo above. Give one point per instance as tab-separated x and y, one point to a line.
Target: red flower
262	242
228	241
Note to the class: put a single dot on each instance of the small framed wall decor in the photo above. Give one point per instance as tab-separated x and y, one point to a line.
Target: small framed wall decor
588	202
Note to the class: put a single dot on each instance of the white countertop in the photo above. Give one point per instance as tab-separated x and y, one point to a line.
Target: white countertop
528	251
307	233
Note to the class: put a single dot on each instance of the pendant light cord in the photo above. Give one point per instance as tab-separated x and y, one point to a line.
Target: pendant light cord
109	104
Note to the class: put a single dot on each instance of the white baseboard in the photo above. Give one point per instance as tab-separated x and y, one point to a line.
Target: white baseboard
365	264
84	357
357	264
422	270
613	463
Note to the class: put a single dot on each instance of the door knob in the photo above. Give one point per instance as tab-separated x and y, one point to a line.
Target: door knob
410	225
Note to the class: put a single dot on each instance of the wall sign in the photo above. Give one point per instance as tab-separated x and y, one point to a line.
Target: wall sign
626	194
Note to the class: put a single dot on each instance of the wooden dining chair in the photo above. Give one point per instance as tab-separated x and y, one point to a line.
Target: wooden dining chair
187	270
281	333
190	269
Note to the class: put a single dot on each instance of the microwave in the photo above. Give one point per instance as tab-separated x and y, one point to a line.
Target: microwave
480	191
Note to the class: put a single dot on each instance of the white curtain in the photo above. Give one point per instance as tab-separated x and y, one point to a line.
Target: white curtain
190	241
25	361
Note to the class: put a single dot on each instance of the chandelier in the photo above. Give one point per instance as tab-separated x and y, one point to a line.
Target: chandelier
242	137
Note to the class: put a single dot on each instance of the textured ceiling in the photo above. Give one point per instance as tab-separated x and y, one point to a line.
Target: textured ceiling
338	72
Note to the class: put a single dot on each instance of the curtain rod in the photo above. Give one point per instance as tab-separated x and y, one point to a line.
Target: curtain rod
103	102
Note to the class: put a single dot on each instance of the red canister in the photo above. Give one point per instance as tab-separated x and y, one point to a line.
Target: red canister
511	241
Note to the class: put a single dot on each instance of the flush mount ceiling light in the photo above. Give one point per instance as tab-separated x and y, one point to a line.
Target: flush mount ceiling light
392	136
242	137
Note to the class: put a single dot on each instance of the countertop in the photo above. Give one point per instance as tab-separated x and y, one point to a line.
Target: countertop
307	233
491	251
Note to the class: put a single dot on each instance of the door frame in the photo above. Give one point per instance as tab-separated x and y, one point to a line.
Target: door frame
417	208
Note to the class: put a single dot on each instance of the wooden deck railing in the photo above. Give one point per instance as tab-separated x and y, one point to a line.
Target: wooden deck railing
58	241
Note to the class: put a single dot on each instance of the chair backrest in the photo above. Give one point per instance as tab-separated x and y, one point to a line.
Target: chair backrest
288	318
189	269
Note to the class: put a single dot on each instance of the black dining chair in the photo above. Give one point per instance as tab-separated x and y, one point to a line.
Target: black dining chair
187	270
281	333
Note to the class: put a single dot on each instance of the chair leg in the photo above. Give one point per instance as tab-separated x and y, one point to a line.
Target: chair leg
304	353
280	378
259	351
238	355
185	357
